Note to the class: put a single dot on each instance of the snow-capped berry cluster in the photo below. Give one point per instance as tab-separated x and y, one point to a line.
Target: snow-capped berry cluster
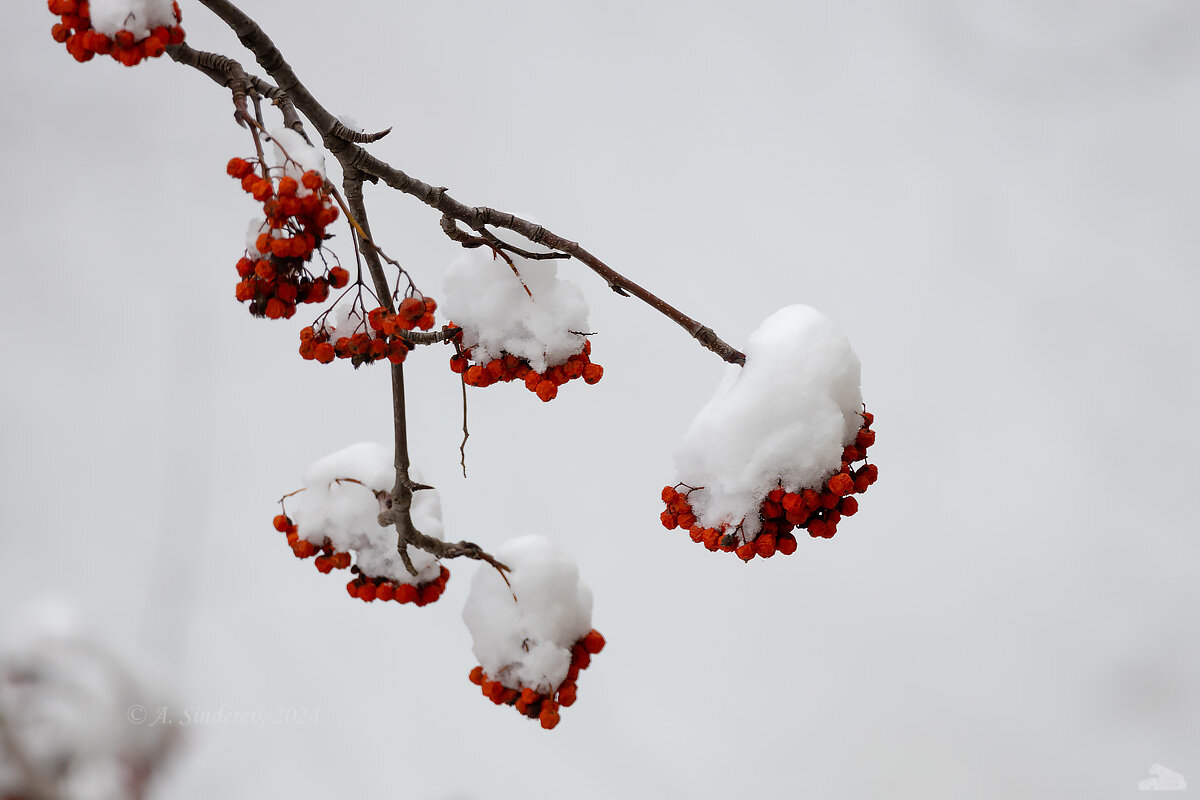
379	336
519	321
508	367
537	705
337	519
128	30
531	628
297	211
775	447
818	510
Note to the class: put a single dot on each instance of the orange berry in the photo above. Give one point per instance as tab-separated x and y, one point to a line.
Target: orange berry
864	439
406	593
566	694
338	277
281	523
841	484
324	353
669	520
765	546
593	642
592	373
311	180
287	186
386	591
787	544
547	391
548	718
476	676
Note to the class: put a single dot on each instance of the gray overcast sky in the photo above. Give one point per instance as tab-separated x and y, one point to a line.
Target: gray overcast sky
997	201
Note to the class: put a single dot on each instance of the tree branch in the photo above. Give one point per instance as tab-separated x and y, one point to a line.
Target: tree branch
351	156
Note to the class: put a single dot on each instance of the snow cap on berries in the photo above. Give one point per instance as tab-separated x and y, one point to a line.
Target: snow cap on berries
526	642
139	17
490	304
338	503
257	226
786	415
347	319
304	156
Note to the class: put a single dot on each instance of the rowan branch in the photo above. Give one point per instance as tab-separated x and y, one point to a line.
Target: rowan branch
353	157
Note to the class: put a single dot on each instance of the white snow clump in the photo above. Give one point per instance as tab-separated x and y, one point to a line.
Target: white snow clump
490	304
523	633
785	416
139	17
335	507
304	157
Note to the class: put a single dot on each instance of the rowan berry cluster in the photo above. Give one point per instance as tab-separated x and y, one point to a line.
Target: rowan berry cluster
536	705
274	276
381	337
817	510
83	42
366	588
329	558
512	368
362	587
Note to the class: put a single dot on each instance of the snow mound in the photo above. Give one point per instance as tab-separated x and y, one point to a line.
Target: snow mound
523	633
782	418
91	726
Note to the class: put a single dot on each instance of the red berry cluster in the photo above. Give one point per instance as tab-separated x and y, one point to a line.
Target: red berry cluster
75	31
817	510
367	589
329	559
363	587
533	704
513	368
277	280
385	339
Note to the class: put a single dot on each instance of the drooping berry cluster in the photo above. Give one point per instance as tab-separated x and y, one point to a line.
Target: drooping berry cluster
537	705
366	588
83	42
512	368
817	510
362	587
381	337
297	214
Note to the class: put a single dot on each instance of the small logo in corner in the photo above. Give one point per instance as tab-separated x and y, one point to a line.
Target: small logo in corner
1162	780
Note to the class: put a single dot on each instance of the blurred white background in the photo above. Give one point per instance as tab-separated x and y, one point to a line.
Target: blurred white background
997	201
